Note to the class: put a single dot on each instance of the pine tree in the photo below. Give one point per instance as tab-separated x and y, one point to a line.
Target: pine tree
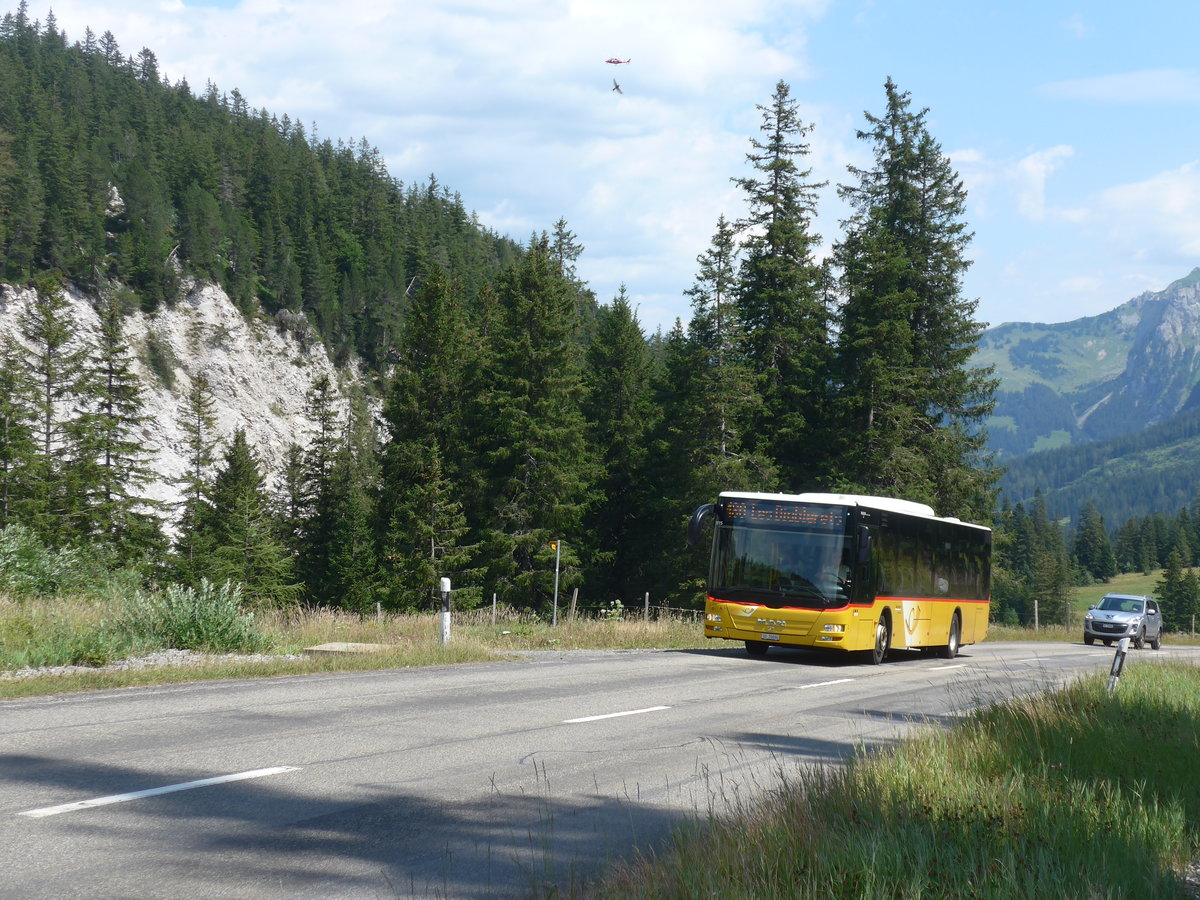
236	538
427	462
724	399
621	414
781	299
118	457
18	448
1175	593
912	406
424	538
539	467
58	365
354	574
198	420
1093	549
318	503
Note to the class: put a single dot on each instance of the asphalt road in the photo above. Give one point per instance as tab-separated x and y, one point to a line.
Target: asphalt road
481	780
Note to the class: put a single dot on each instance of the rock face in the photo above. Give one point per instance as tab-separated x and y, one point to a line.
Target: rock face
1098	377
260	373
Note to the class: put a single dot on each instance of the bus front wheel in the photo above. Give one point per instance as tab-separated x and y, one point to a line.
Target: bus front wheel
883	637
757	648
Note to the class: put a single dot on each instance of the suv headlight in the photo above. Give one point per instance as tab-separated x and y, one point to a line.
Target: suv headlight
1088	616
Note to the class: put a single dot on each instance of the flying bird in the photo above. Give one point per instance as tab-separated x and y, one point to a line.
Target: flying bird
617	87
617	62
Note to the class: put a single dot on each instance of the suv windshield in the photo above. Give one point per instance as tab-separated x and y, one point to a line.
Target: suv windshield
780	568
1122	604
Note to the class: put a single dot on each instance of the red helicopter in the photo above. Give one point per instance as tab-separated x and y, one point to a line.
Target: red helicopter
617	62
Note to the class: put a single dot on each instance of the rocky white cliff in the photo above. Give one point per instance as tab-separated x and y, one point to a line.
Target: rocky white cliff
260	373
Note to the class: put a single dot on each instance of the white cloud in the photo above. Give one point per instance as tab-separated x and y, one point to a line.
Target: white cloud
1076	27
1146	86
1029	176
1158	217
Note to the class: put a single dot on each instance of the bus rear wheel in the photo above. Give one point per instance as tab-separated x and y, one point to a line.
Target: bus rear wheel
883	638
950	649
757	648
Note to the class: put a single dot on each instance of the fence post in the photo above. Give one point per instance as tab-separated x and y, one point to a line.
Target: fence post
646	608
574	597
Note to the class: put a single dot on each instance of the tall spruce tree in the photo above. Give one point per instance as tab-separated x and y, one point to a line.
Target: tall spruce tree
58	365
18	446
353	567
122	515
318	499
781	295
620	412
1093	549
198	420
429	458
236	537
911	406
540	469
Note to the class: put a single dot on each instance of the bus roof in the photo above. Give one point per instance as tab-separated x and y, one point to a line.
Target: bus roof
888	504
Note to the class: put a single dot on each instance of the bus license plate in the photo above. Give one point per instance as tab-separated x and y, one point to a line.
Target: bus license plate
770	637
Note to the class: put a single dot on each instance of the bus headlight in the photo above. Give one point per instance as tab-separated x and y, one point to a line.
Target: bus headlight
838	628
712	617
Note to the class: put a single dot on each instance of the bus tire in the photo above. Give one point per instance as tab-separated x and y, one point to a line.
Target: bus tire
883	639
949	650
757	648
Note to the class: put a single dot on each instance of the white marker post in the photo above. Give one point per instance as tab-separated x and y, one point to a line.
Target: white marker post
445	610
1118	664
557	545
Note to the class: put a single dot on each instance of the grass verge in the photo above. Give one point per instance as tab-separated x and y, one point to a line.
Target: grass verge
1075	794
75	632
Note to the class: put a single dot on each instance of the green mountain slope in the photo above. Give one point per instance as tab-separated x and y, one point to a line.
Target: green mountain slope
1096	377
1152	471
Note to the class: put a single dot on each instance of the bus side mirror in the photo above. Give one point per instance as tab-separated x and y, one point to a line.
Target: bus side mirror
696	523
864	545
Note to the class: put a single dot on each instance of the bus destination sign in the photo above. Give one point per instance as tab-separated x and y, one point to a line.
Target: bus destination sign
806	516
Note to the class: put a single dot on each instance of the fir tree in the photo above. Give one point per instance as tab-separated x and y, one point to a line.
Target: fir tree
619	408
539	466
18	448
912	406
198	420
236	537
121	513
781	299
1093	549
58	366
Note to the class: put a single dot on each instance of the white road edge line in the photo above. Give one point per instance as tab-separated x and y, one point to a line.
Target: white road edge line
805	687
150	792
629	712
943	668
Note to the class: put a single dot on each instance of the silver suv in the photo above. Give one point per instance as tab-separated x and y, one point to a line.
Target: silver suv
1124	615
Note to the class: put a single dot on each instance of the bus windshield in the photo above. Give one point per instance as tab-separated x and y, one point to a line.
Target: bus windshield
779	568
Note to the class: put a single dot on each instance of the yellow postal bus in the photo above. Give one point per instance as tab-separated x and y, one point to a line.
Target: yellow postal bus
844	572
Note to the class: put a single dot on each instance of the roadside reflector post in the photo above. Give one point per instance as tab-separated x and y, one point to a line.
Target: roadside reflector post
1118	663
445	588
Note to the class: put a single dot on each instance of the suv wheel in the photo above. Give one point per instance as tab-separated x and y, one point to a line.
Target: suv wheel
1157	642
1140	641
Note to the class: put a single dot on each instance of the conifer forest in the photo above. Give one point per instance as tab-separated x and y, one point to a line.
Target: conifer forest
512	407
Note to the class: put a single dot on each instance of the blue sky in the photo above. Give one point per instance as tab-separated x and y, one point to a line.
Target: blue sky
1073	125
